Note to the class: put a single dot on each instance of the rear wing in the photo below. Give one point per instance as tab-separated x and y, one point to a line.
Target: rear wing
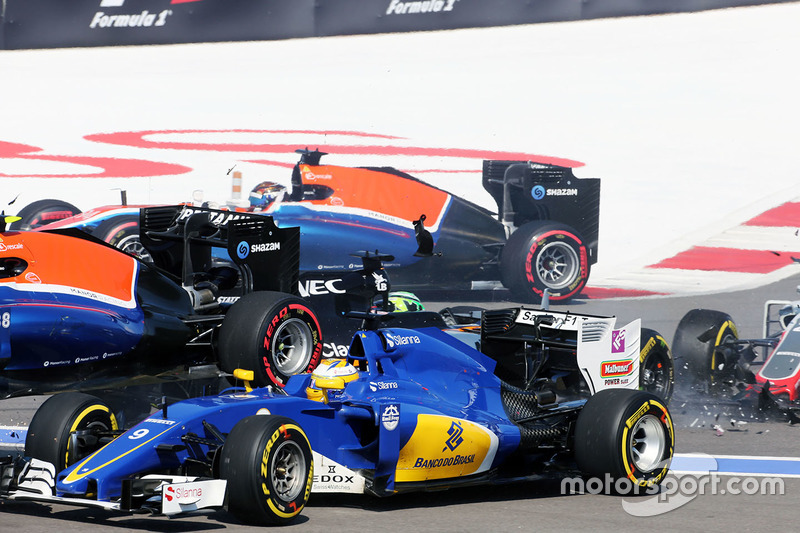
605	356
180	240
526	191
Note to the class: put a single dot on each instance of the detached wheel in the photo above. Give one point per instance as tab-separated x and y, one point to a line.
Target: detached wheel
656	366
62	415
698	340
269	467
43	212
627	434
541	256
276	335
123	232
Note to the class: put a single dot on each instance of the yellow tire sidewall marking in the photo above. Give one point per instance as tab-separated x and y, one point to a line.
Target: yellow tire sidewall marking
645	409
82	416
265	471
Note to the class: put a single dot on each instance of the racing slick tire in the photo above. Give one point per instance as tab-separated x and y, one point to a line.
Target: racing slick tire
541	256
43	212
49	434
123	232
701	358
274	334
656	365
626	434
269	467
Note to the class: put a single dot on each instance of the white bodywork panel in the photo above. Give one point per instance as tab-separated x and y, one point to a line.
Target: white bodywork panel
607	357
330	476
190	496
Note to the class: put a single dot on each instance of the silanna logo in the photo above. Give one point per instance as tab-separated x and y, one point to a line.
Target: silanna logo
398	7
144	18
393	340
184	496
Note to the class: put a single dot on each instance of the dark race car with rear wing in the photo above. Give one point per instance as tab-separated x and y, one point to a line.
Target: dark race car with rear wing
79	314
543	235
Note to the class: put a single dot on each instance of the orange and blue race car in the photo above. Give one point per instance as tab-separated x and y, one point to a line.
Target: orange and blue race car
79	314
408	409
543	236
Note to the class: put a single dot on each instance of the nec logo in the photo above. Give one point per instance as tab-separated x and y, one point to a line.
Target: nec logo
316	287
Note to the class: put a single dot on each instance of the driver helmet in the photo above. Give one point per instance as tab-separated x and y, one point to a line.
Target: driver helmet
329	380
266	193
787	314
402	301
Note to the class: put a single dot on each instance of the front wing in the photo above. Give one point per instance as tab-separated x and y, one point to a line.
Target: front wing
35	480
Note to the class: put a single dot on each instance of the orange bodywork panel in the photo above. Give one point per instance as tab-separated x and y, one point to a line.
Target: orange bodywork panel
71	266
378	192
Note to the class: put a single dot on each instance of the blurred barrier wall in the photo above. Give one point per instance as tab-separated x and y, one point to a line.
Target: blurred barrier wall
69	23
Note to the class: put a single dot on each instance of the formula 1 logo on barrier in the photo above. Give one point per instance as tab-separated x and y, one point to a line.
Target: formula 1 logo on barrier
396	7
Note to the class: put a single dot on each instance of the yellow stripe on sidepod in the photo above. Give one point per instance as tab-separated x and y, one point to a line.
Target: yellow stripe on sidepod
445	447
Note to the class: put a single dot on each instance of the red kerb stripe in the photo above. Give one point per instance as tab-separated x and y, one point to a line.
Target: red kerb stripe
727	260
786	215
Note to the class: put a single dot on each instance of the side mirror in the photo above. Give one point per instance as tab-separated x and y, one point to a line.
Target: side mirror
424	238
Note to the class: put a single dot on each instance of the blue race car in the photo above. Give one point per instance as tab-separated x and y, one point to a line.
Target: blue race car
78	314
543	235
408	409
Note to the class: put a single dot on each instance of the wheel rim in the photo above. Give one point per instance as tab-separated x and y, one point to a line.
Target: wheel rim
288	473
75	450
132	245
293	347
728	337
647	443
557	265
655	375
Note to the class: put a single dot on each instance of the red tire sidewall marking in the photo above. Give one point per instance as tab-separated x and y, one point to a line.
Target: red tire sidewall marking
289	311
583	257
116	229
316	335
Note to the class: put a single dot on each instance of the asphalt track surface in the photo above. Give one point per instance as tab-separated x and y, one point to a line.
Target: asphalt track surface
538	505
